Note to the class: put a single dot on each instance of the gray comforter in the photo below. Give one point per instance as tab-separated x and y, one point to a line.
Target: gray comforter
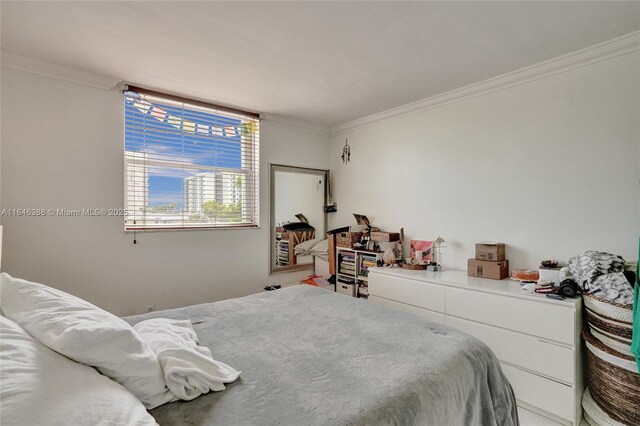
312	357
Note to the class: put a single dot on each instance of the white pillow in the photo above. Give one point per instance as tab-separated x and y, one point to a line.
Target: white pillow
86	334
41	387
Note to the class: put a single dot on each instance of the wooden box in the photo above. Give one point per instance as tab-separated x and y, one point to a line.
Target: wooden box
385	236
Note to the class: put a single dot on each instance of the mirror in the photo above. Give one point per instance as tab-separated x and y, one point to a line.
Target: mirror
298	196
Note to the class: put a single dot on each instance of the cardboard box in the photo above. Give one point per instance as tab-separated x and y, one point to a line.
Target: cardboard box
490	251
488	269
385	236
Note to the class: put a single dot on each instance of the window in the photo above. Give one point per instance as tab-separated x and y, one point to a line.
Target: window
189	164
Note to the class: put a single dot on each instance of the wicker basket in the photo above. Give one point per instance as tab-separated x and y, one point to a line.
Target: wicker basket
613	341
610	322
593	414
348	239
612	310
614	383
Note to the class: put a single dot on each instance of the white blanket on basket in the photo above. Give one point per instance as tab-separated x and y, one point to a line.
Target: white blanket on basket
189	370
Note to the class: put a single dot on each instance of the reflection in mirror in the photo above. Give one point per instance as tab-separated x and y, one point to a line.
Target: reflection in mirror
298	197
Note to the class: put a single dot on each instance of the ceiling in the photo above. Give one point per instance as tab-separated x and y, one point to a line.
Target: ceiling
320	62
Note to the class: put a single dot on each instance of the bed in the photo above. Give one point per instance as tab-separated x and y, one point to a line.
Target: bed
312	357
314	251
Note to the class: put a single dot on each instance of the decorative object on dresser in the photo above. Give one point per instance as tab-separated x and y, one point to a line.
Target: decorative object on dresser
438	244
536	339
414	267
421	251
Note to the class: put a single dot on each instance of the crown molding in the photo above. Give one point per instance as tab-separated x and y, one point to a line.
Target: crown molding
57	71
599	52
282	121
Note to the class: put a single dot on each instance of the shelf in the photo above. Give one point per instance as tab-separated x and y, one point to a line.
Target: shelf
354	258
340	274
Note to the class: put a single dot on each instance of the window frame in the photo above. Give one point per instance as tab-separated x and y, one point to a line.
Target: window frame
254	170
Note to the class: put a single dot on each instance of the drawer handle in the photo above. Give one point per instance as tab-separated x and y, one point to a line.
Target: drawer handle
555	344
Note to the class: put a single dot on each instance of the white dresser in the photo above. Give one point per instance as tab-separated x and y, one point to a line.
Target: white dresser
536	339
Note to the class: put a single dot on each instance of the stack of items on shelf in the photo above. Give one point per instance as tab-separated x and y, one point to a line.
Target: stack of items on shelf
347	263
613	393
282	252
332	237
357	249
489	262
367	260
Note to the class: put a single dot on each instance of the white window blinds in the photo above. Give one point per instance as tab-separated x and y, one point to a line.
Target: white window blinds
189	164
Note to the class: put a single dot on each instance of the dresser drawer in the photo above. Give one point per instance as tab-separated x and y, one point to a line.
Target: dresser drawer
433	316
416	293
541	319
551	396
523	350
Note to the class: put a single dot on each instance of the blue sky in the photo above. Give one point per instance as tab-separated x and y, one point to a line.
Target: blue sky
144	133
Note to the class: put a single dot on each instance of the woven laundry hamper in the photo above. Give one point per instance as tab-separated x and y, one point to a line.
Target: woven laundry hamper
610	322
613	380
593	414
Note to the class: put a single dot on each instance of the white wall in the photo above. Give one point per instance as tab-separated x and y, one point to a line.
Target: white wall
550	167
62	147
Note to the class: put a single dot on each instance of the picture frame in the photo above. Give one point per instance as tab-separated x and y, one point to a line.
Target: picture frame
426	247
